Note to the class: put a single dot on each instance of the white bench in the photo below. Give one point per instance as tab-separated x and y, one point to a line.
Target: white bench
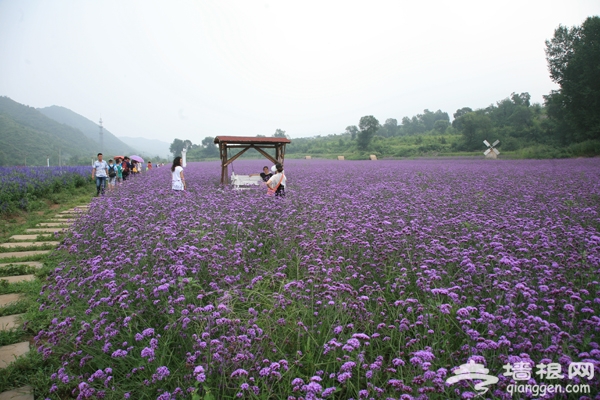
246	181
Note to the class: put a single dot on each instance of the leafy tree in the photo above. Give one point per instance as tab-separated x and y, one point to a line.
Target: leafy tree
280	134
428	118
475	126
573	56
412	126
177	147
353	131
521	99
368	125
208	141
459	113
389	128
441	126
514	113
209	148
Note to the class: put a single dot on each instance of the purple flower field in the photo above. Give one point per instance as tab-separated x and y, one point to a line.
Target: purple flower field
370	280
18	185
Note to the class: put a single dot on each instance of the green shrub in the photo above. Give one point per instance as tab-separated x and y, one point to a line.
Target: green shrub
588	148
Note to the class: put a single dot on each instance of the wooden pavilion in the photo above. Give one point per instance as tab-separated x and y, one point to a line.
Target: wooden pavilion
260	144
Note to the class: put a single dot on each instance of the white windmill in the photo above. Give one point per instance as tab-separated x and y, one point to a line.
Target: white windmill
491	152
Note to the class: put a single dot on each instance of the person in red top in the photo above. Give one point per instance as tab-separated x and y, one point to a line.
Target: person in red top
149	165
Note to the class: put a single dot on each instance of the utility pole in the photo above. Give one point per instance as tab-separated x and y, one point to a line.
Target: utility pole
101	137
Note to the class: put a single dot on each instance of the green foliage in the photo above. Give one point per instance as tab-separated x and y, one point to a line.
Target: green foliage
280	134
475	128
28	138
368	125
19	190
352	130
588	148
524	130
176	147
573	57
422	123
541	151
111	144
16	269
207	150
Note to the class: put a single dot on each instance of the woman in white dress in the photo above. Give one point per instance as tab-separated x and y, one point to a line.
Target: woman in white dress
178	181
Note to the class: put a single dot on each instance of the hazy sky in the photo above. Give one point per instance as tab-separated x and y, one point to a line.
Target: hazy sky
191	69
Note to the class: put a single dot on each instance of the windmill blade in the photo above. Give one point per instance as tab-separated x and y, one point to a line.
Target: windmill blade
486	143
496	143
496	151
485	153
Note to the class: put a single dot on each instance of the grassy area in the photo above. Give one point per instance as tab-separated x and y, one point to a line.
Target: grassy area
17	222
32	370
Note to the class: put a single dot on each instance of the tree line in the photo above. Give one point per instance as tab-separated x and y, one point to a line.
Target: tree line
567	124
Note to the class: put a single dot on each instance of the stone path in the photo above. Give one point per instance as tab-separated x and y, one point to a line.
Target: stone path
28	244
29	237
24	393
22	245
6	299
54	224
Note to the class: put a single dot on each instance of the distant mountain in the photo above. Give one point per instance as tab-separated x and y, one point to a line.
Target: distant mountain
28	137
112	145
149	147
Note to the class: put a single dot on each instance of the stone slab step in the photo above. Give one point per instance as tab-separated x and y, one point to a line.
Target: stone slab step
63	217
24	393
46	230
6	299
61	224
10	322
22	254
12	351
28	237
28	244
17	278
74	211
34	264
62	220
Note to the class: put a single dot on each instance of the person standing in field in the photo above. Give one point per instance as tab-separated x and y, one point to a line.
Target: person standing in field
126	168
112	175
119	171
177	181
100	173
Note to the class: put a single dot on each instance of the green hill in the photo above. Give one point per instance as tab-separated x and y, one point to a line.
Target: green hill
112	144
28	137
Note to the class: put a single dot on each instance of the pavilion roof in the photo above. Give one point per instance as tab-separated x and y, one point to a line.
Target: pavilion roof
250	140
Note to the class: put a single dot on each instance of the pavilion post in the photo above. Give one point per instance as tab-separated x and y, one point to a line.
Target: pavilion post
259	143
223	153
